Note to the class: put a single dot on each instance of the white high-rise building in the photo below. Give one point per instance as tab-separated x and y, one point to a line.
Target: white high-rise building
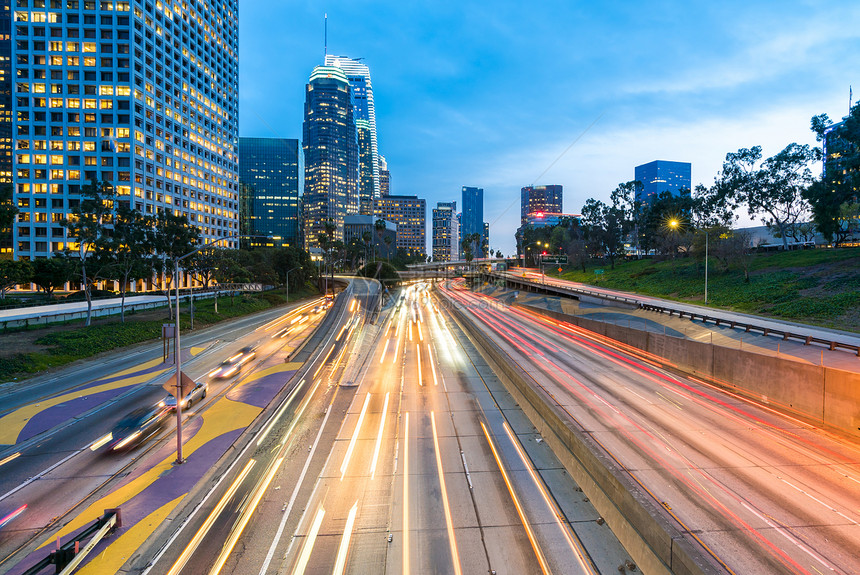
143	95
365	115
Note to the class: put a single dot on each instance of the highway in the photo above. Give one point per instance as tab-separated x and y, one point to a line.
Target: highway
56	465
414	469
754	491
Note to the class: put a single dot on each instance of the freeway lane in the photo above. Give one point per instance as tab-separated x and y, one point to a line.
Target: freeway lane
758	492
423	474
76	471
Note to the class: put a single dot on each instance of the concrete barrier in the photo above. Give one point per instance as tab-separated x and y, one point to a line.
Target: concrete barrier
822	396
654	542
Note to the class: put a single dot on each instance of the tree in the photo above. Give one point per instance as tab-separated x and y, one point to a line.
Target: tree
231	269
605	229
171	237
89	225
633	212
130	247
387	240
13	273
838	186
773	188
367	238
52	273
499	253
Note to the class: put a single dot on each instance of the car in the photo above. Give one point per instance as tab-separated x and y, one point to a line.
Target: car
233	365
192	397
137	427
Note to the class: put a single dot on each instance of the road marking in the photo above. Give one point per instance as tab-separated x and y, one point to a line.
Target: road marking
455	556
406	493
384	349
396	350
432	365
340	563
538	553
352	441
309	544
418	355
295	493
379	438
245	517
281	411
204	529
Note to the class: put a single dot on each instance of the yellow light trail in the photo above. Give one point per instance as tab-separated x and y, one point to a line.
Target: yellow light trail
418	355
352	441
432	365
455	555
322	364
384	349
538	553
340	563
18	454
245	517
379	437
207	525
406	493
309	544
420	335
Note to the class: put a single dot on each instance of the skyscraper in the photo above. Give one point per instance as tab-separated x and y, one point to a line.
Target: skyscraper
269	175
384	177
5	91
145	99
364	111
446	232
473	211
330	144
660	176
410	215
540	200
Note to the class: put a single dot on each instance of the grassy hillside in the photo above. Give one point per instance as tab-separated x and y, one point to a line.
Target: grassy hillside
820	287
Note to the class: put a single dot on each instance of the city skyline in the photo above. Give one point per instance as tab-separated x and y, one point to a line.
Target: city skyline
707	83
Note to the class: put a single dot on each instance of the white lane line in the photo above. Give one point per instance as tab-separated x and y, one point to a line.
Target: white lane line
819	501
295	493
40	474
379	438
352	441
455	556
309	544
785	534
340	563
418	355
406	561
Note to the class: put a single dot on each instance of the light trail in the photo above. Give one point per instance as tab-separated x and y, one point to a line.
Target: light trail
418	355
535	547
455	556
340	562
352	441
16	455
406	561
432	364
245	517
322	363
379	438
384	349
207	525
309	544
278	415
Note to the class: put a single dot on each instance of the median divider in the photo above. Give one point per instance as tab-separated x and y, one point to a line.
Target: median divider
653	540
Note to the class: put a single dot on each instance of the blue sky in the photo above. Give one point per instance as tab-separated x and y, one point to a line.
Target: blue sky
490	94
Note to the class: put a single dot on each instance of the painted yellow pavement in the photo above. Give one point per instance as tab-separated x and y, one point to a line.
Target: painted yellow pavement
224	416
126	544
12	424
292	366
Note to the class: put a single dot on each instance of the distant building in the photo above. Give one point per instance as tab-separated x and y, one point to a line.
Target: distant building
384	177
540	199
473	211
446	232
354	228
660	176
330	145
364	112
269	190
542	220
410	215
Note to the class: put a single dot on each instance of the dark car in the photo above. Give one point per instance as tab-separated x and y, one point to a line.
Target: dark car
233	365
137	427
192	397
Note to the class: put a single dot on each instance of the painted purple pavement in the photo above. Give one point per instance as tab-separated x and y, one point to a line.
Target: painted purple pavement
261	391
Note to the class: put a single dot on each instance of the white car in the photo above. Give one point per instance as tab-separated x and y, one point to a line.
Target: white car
192	397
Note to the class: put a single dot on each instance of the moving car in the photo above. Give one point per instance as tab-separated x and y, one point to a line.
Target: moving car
233	365
192	397
137	427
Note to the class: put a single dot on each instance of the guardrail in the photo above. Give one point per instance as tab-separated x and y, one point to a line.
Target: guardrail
703	317
69	556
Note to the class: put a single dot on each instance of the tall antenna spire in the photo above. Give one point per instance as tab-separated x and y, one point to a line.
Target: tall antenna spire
325	47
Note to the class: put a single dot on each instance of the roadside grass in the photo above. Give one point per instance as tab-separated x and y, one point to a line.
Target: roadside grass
819	287
61	345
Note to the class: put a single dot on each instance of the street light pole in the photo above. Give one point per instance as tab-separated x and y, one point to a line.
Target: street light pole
288	282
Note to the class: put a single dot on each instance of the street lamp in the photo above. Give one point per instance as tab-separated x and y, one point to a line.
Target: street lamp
538	243
288	282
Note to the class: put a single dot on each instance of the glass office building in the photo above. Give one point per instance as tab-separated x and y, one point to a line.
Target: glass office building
410	215
540	200
269	175
330	145
473	211
143	95
660	176
446	232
